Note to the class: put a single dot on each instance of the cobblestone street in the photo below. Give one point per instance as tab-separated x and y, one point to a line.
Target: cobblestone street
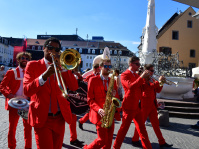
178	133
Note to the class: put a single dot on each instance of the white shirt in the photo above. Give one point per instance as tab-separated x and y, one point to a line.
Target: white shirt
132	72
20	90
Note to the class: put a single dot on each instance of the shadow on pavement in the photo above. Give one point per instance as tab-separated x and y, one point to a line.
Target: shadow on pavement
182	128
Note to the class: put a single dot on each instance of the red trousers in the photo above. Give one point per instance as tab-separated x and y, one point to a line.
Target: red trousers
105	137
128	116
72	127
51	135
13	121
84	118
151	112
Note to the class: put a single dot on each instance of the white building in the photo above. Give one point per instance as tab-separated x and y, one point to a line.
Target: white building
6	51
88	50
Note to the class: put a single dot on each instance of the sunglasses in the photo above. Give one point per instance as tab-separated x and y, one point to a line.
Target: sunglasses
107	66
51	48
24	58
137	64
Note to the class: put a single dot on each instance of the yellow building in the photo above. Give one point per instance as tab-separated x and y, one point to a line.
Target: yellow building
181	34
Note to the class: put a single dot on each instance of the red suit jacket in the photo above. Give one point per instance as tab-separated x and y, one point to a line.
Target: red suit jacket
88	77
132	87
149	94
40	95
10	85
96	97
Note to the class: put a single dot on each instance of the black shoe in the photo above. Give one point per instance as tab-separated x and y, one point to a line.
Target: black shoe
166	145
136	144
77	143
195	126
80	125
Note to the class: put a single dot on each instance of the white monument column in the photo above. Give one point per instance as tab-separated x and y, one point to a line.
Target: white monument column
149	33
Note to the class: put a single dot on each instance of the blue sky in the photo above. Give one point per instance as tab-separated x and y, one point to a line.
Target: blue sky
116	20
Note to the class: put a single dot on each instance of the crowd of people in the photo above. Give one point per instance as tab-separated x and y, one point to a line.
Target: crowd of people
49	110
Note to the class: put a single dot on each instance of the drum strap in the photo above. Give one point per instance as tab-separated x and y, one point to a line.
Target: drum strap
15	73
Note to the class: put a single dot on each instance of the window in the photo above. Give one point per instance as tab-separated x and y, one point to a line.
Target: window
192	53
90	57
86	64
175	35
165	50
89	50
192	65
124	60
101	51
87	57
90	65
93	51
39	48
120	52
33	47
80	50
189	24
110	51
115	52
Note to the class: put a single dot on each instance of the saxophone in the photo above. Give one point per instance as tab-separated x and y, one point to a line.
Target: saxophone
110	105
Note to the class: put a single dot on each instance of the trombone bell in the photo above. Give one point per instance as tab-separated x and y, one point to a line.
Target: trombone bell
70	59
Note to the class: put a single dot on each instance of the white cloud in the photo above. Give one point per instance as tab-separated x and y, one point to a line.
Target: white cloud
129	42
135	42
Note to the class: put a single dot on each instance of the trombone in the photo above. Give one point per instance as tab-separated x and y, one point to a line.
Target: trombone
69	59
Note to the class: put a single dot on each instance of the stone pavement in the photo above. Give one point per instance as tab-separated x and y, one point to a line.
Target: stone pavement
178	133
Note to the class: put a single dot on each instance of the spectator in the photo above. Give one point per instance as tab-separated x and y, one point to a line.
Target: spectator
2	73
119	84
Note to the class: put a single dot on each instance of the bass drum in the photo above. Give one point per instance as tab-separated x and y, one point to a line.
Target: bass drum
78	99
23	113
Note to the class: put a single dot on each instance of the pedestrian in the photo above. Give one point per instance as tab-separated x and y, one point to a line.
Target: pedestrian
2	72
49	109
119	84
12	86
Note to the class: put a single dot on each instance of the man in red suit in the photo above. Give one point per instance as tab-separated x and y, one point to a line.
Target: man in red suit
12	86
73	132
49	109
97	88
149	105
96	71
132	83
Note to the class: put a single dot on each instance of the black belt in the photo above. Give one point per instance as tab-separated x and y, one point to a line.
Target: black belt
56	114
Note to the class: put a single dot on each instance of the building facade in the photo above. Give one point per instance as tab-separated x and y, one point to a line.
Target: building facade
180	34
88	49
6	52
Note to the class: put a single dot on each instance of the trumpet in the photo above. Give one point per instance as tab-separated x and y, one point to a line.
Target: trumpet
69	59
168	82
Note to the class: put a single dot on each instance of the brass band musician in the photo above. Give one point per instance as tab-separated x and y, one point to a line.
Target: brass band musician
97	89
149	106
49	109
12	86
